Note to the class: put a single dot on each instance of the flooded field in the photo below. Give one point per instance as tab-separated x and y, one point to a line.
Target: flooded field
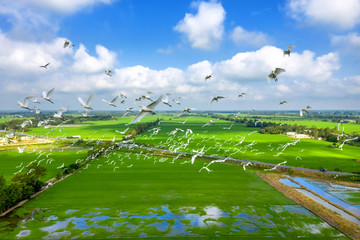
164	221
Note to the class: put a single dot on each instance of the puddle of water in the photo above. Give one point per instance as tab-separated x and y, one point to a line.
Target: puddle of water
24	233
99	218
71	211
329	206
309	184
288	182
92	213
87	233
162	226
57	235
81	224
57	226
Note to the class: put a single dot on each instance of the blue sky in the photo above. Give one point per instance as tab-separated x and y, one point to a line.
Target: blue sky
170	46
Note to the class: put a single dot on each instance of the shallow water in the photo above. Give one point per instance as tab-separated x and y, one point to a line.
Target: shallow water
329	206
315	187
163	221
288	182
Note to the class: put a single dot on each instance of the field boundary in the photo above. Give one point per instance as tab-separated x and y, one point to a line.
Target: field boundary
347	227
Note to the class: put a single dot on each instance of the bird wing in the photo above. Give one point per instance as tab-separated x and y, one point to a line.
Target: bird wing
50	92
220	97
139	117
279	70
88	103
154	104
115	98
66	43
291	47
81	101
27	99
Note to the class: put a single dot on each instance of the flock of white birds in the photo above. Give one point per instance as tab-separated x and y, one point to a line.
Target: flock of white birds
173	143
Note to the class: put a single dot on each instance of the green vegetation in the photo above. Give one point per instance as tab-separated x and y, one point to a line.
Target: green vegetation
118	193
21	187
158	196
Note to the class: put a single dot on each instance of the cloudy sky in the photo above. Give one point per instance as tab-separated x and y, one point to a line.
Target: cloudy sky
170	46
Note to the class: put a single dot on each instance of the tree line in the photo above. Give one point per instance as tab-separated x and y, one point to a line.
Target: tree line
21	186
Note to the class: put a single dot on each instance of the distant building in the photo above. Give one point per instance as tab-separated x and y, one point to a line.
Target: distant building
297	135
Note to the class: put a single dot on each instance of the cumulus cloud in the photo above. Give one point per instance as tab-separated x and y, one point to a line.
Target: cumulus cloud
349	43
88	64
204	30
256	65
241	36
338	13
75	72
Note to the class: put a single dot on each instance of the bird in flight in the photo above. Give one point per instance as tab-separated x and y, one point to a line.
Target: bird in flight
67	43
207	77
216	98
288	51
145	110
86	105
60	112
282	102
242	94
128	110
47	95
112	102
275	73
45	66
25	104
108	72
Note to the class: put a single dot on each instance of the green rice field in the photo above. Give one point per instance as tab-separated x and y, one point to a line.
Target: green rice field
135	195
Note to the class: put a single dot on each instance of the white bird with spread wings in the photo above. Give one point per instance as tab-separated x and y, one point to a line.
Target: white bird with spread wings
146	110
86	105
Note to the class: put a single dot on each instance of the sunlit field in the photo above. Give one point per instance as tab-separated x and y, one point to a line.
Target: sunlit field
133	195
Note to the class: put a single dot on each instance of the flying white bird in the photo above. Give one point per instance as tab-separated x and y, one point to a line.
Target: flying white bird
128	110
60	112
25	105
67	43
112	102
108	72
288	51
216	98
45	65
21	150
210	122
47	95
275	73
86	105
145	110
166	100
26	122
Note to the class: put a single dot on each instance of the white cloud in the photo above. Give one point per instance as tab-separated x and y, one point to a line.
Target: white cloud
256	65
339	13
242	37
349	43
75	72
54	6
204	30
85	63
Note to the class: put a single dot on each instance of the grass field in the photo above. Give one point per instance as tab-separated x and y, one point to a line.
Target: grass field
255	146
12	161
133	195
88	129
